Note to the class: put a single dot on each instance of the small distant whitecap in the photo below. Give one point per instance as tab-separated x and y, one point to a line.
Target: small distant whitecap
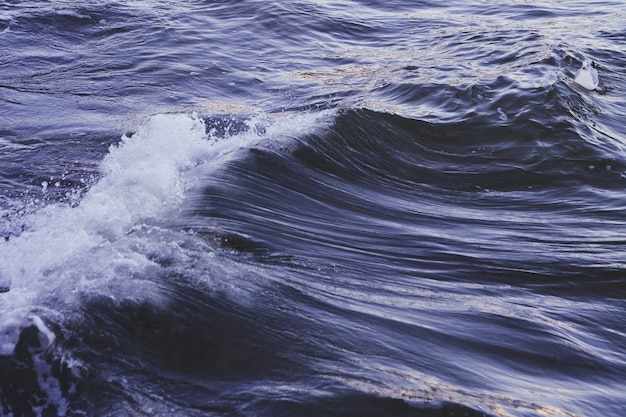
587	76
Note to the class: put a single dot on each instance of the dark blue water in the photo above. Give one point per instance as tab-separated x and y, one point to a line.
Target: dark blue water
312	208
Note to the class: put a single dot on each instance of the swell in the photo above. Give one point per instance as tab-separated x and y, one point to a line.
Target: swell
414	242
382	186
409	264
465	258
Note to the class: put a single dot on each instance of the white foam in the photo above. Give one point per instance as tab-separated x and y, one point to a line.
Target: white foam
141	182
102	246
10	330
10	327
92	246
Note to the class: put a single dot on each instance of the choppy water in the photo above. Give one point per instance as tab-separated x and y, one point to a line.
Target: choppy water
312	208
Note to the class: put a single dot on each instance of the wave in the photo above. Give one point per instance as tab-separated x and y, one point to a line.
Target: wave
461	255
391	174
357	251
108	246
413	242
446	238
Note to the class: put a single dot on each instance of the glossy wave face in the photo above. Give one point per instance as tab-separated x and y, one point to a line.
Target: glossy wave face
455	256
510	187
311	208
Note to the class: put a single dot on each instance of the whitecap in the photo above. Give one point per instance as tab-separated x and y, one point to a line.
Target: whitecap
587	76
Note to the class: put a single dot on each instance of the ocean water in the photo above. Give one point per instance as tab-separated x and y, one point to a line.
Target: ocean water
312	208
